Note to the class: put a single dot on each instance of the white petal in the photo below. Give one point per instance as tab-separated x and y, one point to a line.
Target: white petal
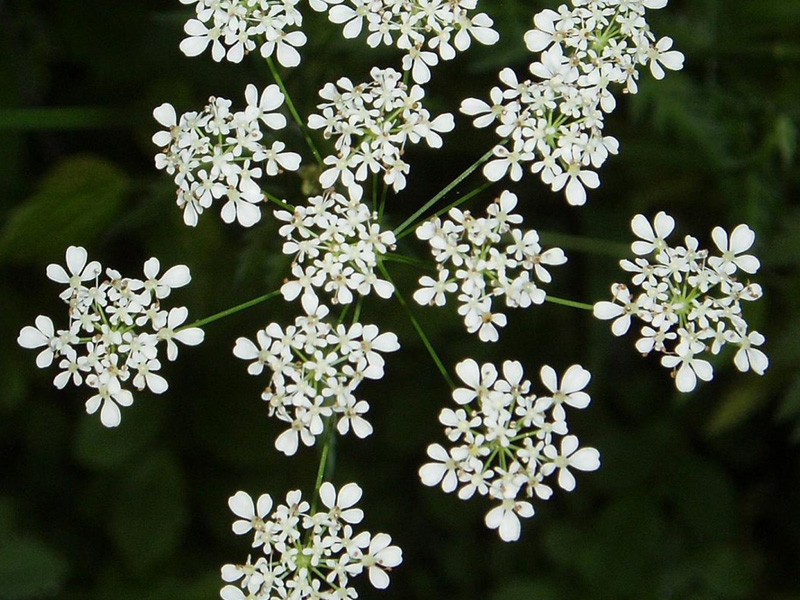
349	495
549	378
431	473
585	459
109	414
378	578
510	527
469	372
177	276
576	378
191	337
327	493
241	504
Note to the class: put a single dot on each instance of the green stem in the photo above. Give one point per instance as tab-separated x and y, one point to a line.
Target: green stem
408	260
478	190
231	311
410	220
295	115
275	200
423	336
570	303
323	464
584	244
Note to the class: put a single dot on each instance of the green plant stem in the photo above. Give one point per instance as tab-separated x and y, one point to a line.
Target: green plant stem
570	303
293	110
469	196
584	244
275	200
421	332
408	260
232	311
323	469
471	169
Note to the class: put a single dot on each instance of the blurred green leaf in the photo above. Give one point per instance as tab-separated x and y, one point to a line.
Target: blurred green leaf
149	517
30	569
738	405
75	203
527	590
101	448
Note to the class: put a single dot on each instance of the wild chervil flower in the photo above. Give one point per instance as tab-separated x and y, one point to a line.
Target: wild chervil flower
217	155
689	300
307	555
336	243
506	440
426	30
116	325
485	258
553	123
371	124
234	28
316	367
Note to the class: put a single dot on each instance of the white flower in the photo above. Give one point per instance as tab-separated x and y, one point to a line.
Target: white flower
43	335
585	459
485	269
380	558
372	124
652	236
169	329
748	357
78	270
215	154
413	27
251	515
503	440
689	368
661	55
741	240
115	326
175	277
341	505
316	367
235	28
554	122
307	554
445	470
687	299
505	518
109	397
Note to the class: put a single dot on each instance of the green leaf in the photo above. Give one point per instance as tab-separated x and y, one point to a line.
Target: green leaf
30	569
149	517
101	448
76	202
524	589
737	406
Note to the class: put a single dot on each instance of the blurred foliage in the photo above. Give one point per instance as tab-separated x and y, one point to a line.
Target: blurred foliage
697	496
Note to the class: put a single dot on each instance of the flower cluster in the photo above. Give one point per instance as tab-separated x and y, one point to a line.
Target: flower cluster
215	154
115	327
371	123
316	367
336	245
235	28
506	440
307	554
469	245
555	122
426	30
689	300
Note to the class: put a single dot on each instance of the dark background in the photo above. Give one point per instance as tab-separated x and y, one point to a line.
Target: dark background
698	494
